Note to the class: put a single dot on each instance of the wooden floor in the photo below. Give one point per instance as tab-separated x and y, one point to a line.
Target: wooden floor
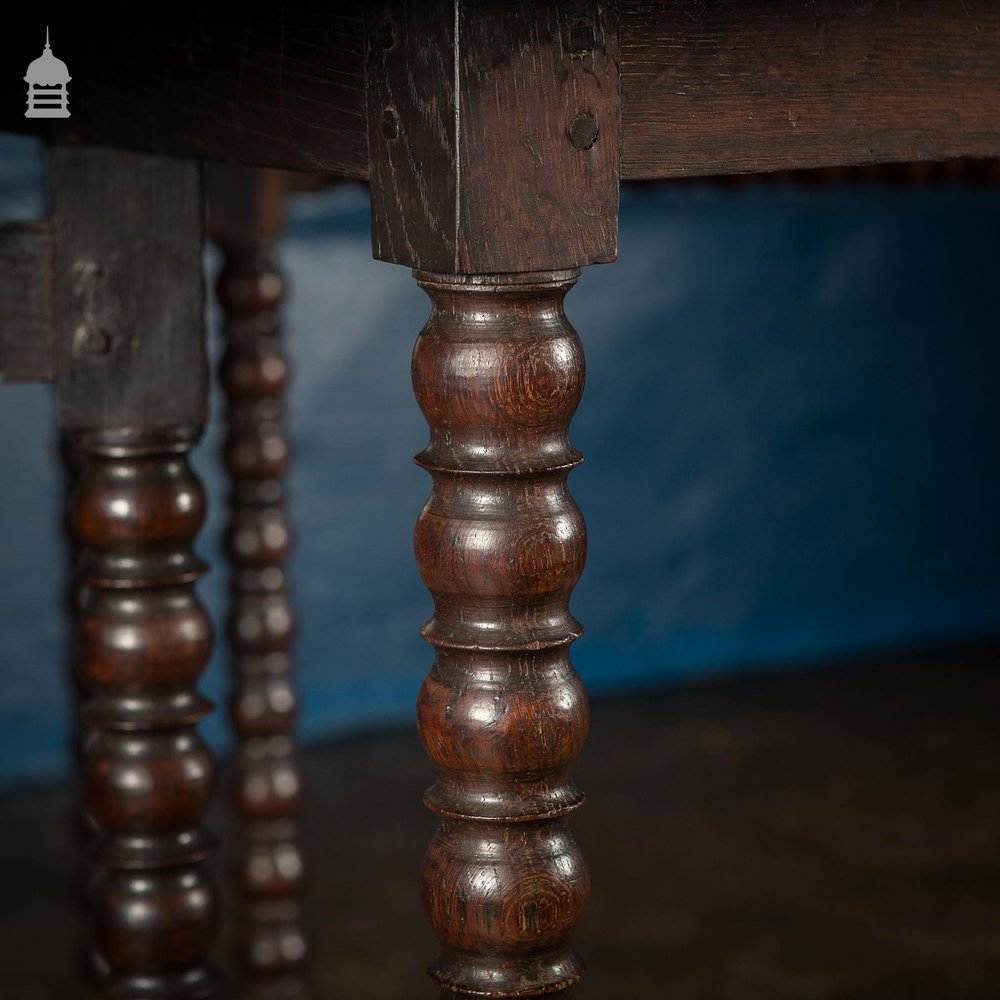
829	834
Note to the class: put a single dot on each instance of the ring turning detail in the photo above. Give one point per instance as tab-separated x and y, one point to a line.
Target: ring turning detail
498	372
142	640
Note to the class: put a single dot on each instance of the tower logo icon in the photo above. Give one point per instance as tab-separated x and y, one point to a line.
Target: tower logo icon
47	78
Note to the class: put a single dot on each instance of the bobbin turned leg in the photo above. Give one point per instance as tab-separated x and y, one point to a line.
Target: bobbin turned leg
131	386
493	138
142	639
246	212
498	372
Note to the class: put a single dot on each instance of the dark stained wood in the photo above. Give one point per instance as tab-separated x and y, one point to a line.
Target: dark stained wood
494	134
826	833
246	218
127	289
491	131
411	131
281	84
128	265
725	86
498	372
27	349
708	87
142	639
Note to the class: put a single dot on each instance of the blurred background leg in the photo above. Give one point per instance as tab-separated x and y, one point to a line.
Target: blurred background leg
246	209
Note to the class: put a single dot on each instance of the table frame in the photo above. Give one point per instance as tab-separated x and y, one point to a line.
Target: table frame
494	136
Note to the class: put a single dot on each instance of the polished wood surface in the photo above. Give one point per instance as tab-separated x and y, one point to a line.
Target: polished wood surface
245	211
131	385
494	135
498	372
142	640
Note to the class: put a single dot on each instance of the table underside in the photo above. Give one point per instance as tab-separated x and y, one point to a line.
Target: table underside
716	87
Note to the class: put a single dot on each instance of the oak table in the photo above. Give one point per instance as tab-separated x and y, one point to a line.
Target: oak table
494	135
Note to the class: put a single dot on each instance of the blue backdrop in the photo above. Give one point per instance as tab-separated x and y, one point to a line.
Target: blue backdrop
791	428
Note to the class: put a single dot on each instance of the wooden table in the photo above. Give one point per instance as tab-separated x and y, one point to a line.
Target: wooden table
494	136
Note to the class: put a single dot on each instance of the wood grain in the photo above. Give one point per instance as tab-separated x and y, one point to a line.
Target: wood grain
142	639
725	86
475	164
273	84
707	87
498	372
128	289
27	343
130	386
411	131
536	192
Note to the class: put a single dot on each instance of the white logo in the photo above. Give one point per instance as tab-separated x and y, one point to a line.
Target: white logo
47	77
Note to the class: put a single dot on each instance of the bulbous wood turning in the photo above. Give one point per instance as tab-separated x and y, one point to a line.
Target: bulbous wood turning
267	783
498	371
142	639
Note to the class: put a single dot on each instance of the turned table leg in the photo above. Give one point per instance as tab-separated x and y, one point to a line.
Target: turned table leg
142	639
246	211
131	388
493	136
498	372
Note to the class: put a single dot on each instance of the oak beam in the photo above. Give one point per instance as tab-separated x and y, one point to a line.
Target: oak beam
726	86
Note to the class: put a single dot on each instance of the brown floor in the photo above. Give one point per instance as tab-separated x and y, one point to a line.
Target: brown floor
830	834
